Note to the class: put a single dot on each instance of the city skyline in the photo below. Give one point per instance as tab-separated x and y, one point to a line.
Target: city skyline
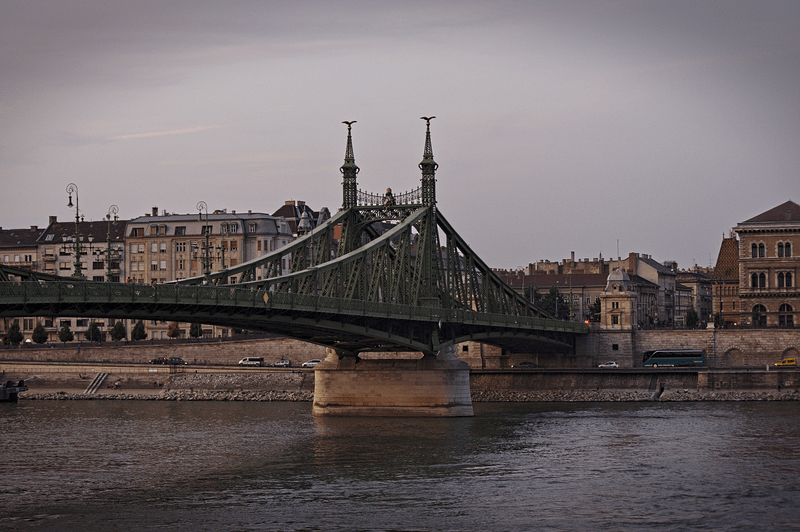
593	127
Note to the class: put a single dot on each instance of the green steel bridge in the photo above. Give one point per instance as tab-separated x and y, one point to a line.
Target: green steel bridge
386	273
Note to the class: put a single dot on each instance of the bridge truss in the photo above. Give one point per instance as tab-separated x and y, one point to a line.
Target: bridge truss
386	273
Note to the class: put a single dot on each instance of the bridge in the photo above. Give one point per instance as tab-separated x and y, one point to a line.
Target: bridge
388	272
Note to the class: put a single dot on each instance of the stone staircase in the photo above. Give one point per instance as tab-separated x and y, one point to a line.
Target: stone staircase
96	383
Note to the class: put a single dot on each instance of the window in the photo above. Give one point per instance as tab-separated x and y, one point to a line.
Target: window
234	245
787	250
181	265
754	251
785	318
780	249
180	230
162	229
761	251
759	316
153	265
162	265
762	280
137	231
97	278
134	266
162	247
206	230
63	266
754	280
153	247
141	248
98	265
153	229
234	227
180	247
252	227
614	320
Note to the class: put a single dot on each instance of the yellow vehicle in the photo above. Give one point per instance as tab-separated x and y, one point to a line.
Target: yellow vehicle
787	362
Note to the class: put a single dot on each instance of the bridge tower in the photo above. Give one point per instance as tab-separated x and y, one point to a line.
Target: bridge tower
430	386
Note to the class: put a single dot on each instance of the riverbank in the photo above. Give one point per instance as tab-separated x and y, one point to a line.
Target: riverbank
498	396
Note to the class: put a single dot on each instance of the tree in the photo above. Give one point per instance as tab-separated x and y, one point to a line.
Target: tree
118	332
93	332
138	332
39	335
554	303
196	330
595	310
13	335
692	319
174	331
65	335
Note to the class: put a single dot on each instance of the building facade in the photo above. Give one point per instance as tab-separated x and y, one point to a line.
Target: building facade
769	263
167	247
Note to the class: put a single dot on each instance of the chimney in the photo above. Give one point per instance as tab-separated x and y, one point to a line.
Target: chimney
53	219
289	202
34	228
155	211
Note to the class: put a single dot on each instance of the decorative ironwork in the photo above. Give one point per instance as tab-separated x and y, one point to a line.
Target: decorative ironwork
387	272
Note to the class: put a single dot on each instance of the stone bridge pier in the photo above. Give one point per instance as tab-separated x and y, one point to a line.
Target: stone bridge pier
425	387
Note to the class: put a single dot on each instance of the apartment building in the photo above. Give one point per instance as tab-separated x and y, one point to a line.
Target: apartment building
166	247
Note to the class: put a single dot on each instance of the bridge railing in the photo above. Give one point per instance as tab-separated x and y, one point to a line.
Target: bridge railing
17	294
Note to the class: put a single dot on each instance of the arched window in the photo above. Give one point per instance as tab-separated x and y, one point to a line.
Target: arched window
754	251
762	280
789	280
785	318
761	251
780	249
787	250
759	316
780	278
754	281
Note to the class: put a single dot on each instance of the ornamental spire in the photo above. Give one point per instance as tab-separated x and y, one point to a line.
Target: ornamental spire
349	171
428	167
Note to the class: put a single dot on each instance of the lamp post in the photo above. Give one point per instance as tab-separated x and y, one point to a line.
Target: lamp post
72	188
202	206
221	247
112	212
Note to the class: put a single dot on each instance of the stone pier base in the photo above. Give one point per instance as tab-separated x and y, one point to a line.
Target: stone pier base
426	387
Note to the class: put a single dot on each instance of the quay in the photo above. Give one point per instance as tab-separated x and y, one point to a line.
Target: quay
588	384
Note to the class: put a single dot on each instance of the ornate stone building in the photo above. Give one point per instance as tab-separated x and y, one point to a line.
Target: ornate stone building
769	263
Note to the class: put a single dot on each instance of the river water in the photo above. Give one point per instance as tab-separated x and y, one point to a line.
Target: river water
195	466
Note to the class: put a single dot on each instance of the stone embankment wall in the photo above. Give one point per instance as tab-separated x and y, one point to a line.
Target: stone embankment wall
226	353
724	347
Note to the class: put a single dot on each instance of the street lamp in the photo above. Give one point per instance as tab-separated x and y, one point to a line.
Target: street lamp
112	212
202	206
72	188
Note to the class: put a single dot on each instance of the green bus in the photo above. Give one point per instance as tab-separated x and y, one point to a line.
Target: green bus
683	358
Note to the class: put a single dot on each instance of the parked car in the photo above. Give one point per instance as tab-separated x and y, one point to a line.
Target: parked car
251	361
175	361
523	365
608	365
159	360
787	362
282	364
311	363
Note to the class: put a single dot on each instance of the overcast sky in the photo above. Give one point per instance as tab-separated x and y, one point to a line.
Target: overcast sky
646	126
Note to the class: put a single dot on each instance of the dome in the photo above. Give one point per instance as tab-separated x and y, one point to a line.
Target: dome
618	280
